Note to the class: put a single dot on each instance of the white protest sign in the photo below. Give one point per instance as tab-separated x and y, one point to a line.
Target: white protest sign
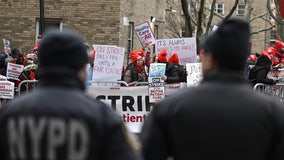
145	34
7	48
184	47
194	74
14	71
156	89
108	63
131	103
6	90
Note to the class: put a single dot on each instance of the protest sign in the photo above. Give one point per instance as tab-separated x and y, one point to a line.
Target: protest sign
6	90
156	84
184	47
194	74
145	34
131	103
108	63
276	74
14	71
7	48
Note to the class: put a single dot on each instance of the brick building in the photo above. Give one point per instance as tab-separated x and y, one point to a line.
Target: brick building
98	21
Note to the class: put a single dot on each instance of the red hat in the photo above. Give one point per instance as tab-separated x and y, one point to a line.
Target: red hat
278	45
271	50
174	58
36	47
134	56
92	54
265	53
140	52
253	57
162	57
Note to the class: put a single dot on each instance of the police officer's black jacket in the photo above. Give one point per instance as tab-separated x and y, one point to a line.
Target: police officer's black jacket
222	119
59	122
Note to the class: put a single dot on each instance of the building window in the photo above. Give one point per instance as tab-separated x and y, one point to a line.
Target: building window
241	9
48	25
219	8
130	39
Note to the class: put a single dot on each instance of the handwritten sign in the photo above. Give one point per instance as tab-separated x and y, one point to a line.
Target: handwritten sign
194	74
276	74
7	48
108	62
14	71
145	34
184	47
6	90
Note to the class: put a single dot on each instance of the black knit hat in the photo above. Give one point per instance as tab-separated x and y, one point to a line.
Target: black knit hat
62	50
229	44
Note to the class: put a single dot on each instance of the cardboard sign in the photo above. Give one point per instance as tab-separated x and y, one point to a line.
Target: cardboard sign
108	63
184	47
194	74
14	71
156	89
6	90
157	69
7	48
145	34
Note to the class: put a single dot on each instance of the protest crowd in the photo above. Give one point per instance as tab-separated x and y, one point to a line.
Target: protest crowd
182	125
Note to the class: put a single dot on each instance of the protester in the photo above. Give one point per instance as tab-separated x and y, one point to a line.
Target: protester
223	118
58	121
171	73
135	71
181	71
258	73
90	65
146	57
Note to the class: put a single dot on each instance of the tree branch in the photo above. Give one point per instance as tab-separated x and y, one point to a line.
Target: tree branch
262	30
232	10
258	16
210	16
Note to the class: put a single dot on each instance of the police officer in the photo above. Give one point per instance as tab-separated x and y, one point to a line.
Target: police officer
58	121
221	119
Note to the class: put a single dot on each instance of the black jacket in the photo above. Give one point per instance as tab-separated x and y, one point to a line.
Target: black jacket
59	122
171	73
222	119
258	74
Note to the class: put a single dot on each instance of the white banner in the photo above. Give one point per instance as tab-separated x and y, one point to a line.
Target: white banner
194	74
184	47
14	71
6	90
108	63
131	103
145	34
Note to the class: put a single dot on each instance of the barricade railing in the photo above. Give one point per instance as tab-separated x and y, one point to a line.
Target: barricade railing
275	91
26	86
109	83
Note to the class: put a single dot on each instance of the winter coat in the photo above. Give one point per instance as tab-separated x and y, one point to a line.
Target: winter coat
132	75
171	73
223	118
58	121
181	72
258	74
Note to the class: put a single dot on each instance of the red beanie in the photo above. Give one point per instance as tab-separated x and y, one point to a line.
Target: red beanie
92	54
278	45
134	56
140	52
174	59
162	57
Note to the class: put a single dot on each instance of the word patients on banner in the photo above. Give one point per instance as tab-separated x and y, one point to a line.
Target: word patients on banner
6	44
108	63
276	74
14	71
145	34
194	74
131	103
156	84
184	47
6	90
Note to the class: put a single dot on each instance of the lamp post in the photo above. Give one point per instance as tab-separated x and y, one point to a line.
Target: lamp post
41	18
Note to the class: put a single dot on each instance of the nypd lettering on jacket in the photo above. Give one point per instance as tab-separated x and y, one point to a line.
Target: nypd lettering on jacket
46	138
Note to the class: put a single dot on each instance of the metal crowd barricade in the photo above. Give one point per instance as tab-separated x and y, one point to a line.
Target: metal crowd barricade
109	83
27	86
275	91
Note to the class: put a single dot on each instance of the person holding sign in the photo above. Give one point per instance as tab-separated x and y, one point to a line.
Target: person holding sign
174	59
58	120
223	118
135	71
171	75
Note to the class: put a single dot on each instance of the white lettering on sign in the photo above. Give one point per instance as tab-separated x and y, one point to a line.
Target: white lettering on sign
58	133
